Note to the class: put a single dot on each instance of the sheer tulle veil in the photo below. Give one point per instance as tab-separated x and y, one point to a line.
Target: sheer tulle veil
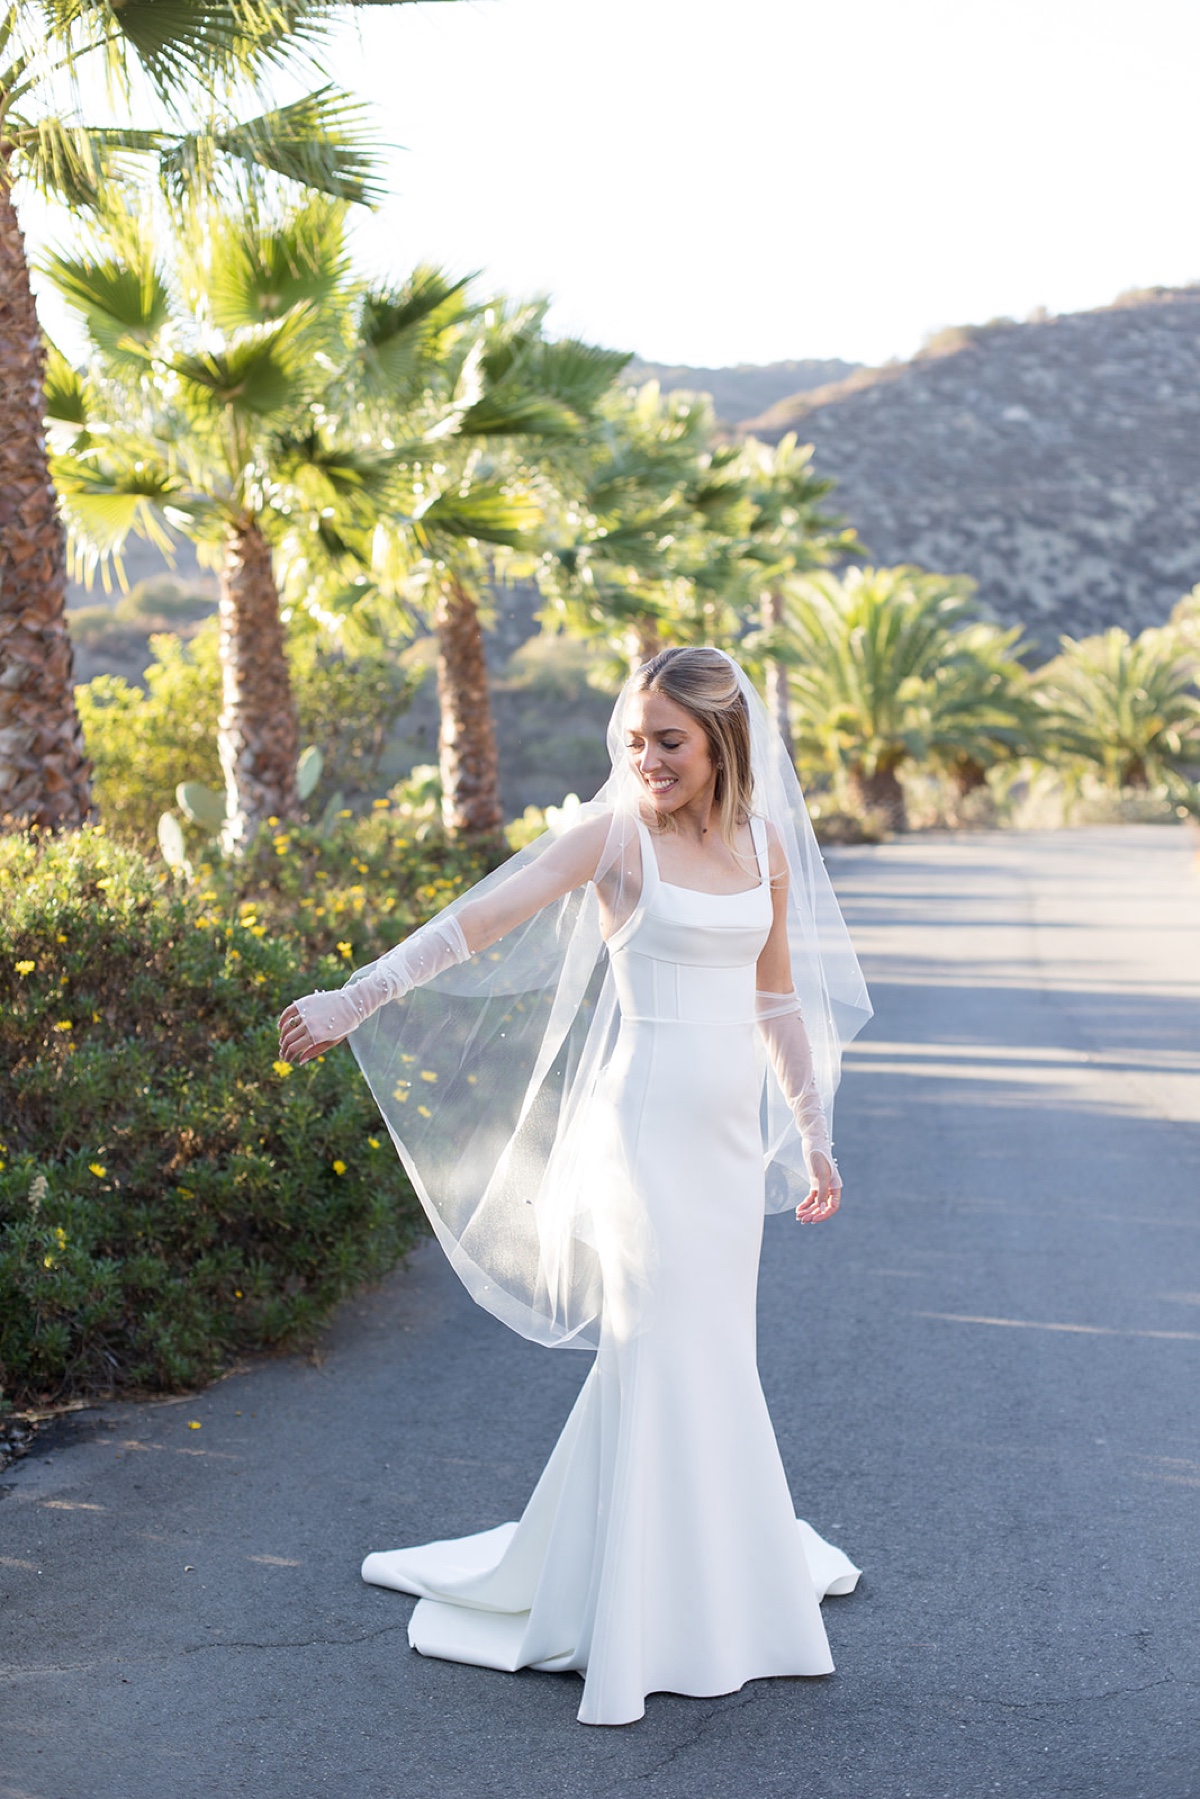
489	1077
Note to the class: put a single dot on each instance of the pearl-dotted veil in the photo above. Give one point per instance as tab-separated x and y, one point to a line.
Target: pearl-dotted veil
487	1077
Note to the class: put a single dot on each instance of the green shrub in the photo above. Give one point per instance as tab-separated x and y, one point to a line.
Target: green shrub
145	740
171	1195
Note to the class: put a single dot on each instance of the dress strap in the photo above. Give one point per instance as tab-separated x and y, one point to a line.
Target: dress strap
758	832
650	876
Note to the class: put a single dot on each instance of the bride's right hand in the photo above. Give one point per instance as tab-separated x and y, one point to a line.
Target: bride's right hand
826	1194
295	1039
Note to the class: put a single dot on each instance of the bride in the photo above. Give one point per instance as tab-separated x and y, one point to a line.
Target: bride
600	1066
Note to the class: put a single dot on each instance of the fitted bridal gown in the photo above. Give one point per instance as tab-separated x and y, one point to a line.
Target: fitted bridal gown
660	1550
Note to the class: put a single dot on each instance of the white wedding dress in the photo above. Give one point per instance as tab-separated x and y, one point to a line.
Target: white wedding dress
660	1550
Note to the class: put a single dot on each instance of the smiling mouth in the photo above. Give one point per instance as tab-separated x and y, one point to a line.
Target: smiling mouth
660	786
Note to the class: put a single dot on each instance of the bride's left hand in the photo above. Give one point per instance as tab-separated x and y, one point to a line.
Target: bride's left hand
826	1195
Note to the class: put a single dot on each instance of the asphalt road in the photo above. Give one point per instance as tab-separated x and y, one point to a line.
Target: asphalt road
985	1377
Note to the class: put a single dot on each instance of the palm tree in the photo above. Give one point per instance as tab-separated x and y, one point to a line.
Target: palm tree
1126	707
375	439
484	406
197	70
202	409
885	667
629	520
979	711
789	536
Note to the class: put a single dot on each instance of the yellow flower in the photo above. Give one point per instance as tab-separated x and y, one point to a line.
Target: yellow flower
61	938
98	1169
201	922
424	1111
26	967
95	1018
259	979
378	803
106	882
47	1261
237	1293
427	1074
193	1424
185	1193
374	1142
471	1079
282	1068
345	813
320	912
339	1168
64	1024
344	949
60	1236
272	822
258	930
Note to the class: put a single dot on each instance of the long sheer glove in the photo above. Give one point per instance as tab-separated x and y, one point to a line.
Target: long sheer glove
781	1025
321	1017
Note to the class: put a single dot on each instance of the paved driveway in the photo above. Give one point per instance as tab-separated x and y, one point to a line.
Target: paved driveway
985	1378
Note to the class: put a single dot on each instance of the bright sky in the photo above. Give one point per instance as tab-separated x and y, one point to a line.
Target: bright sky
715	181
718	181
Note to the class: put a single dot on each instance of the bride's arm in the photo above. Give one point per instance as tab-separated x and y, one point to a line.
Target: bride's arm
311	1025
781	1024
568	863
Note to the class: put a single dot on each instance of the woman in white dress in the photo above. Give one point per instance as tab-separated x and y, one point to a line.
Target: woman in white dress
591	1065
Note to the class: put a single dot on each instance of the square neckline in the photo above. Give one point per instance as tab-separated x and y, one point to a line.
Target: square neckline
757	838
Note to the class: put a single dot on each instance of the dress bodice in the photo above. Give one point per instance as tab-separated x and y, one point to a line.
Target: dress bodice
689	957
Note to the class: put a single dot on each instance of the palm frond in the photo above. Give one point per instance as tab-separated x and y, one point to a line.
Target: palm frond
503	414
320	142
256	274
575	373
123	297
104	502
181	45
72	162
401	330
489	512
257	374
65	390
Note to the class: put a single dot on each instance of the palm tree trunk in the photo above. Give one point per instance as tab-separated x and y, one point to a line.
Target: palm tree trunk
257	734
880	792
777	680
644	643
44	771
967	775
467	757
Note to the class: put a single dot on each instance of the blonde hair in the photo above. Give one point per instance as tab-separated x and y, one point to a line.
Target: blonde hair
704	682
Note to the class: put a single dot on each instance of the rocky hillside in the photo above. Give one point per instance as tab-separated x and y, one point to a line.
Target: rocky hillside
1058	462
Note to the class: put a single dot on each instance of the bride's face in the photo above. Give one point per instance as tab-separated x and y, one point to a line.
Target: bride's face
668	750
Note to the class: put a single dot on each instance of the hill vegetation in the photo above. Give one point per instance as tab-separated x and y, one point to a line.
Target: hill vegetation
1052	461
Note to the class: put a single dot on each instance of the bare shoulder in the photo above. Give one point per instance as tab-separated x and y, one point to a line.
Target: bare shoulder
776	857
581	845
